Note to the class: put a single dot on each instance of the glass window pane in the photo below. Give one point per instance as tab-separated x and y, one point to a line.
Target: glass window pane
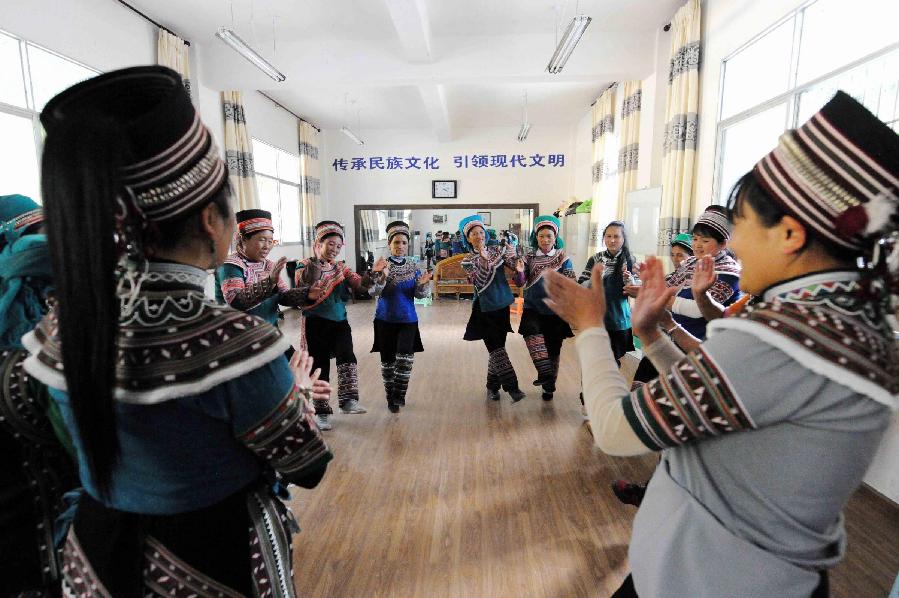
836	32
268	200
12	83
747	141
875	84
290	214
265	158
288	167
759	72
51	74
18	157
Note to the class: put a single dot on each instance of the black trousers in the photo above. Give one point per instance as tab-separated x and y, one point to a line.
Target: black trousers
326	339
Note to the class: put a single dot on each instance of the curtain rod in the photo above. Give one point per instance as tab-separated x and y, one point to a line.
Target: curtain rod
288	110
125	4
611	85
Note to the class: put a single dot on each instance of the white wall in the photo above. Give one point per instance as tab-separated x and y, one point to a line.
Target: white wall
342	190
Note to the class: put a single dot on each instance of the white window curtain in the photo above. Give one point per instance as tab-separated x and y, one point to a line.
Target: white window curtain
629	143
239	152
171	51
681	124
603	128
310	184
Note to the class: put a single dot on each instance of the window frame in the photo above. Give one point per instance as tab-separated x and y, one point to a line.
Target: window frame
28	110
791	96
280	181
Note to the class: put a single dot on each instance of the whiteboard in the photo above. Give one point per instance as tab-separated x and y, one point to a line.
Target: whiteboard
642	220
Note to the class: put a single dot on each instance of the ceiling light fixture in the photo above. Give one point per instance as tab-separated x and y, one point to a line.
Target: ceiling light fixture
525	125
566	46
346	131
238	45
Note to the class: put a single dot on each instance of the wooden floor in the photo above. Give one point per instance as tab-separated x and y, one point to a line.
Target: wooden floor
459	496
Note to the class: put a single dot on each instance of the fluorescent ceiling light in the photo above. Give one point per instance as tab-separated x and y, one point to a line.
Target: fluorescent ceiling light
241	47
352	135
523	133
566	45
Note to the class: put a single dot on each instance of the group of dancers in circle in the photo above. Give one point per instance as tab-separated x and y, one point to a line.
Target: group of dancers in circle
149	432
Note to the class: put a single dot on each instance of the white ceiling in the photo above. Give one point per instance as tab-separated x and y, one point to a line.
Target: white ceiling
424	64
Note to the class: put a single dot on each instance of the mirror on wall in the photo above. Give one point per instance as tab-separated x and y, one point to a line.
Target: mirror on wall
371	223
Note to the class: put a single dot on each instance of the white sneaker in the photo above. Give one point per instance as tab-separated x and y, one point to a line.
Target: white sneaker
323	423
353	406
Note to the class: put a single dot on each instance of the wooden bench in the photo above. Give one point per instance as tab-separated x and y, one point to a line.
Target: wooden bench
451	279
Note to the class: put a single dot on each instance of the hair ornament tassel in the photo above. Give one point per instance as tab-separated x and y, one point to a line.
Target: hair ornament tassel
133	266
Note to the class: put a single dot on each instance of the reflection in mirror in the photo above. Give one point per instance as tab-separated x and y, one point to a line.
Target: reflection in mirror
371	225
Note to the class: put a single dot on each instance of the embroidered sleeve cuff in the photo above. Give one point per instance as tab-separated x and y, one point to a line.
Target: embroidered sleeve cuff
692	401
289	440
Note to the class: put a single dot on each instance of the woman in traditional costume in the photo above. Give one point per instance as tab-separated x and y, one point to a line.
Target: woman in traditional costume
542	329
489	321
711	234
326	284
618	273
248	280
37	466
397	338
184	413
767	427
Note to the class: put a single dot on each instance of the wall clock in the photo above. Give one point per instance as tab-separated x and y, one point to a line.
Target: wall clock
443	189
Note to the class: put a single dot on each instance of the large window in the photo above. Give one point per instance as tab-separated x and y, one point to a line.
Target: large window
783	76
278	186
29	77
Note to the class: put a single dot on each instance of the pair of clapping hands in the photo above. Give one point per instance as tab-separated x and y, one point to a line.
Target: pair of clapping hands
584	307
382	268
306	379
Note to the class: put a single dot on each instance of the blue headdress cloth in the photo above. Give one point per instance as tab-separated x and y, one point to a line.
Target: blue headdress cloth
467	224
547	222
25	273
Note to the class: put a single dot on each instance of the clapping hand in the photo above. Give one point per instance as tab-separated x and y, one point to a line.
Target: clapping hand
424	278
651	306
579	306
519	265
301	365
380	266
275	274
704	275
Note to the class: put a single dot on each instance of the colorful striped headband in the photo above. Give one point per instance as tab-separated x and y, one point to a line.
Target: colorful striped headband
399	228
472	224
716	221
161	197
838	173
248	227
176	165
326	229
28	218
